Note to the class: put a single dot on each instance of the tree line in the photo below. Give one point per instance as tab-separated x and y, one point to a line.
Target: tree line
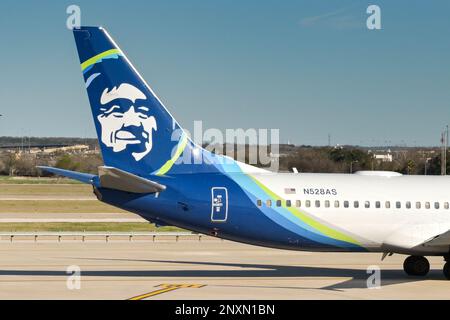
411	161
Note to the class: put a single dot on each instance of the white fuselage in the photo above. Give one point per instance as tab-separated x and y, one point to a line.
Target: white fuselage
386	212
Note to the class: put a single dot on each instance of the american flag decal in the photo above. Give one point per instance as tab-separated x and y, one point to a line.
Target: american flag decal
289	190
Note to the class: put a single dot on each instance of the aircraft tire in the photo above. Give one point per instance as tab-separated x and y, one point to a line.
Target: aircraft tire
416	266
447	270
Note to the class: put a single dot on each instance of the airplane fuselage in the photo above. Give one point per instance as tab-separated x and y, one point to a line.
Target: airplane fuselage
314	212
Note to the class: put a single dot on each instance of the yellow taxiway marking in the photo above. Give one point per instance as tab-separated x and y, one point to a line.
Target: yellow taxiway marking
166	288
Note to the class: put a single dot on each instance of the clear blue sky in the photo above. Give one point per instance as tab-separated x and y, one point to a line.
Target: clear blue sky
308	68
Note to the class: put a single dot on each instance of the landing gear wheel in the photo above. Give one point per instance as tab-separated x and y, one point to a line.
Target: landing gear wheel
416	266
447	270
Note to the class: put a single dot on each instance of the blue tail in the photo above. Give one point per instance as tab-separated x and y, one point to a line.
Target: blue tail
135	131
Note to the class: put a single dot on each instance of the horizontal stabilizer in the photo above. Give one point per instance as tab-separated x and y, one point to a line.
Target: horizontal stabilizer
117	179
79	176
111	178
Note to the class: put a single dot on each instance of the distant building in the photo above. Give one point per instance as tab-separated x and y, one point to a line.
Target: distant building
49	149
80	148
383	157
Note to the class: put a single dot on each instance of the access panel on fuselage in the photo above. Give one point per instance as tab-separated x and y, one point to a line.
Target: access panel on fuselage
219	204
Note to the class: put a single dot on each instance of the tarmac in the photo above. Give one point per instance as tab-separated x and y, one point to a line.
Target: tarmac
212	269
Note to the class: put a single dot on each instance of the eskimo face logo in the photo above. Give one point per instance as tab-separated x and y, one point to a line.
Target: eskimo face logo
125	121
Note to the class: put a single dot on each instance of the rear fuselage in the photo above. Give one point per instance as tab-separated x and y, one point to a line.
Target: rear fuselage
317	212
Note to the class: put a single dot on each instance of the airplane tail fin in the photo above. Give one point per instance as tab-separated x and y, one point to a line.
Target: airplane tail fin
136	132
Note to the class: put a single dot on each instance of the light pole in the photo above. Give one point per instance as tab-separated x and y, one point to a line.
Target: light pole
426	164
445	150
351	165
444	143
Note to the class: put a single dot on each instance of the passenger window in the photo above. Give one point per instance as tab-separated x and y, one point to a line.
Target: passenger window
356	204
367	204
436	205
288	203
336	204
398	204
378	204
259	203
446	205
417	205
408	204
317	203
387	204
427	205
298	203
269	203
327	203
346	204
278	203
308	203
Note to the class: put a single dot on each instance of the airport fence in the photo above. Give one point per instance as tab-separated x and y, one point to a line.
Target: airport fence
104	237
